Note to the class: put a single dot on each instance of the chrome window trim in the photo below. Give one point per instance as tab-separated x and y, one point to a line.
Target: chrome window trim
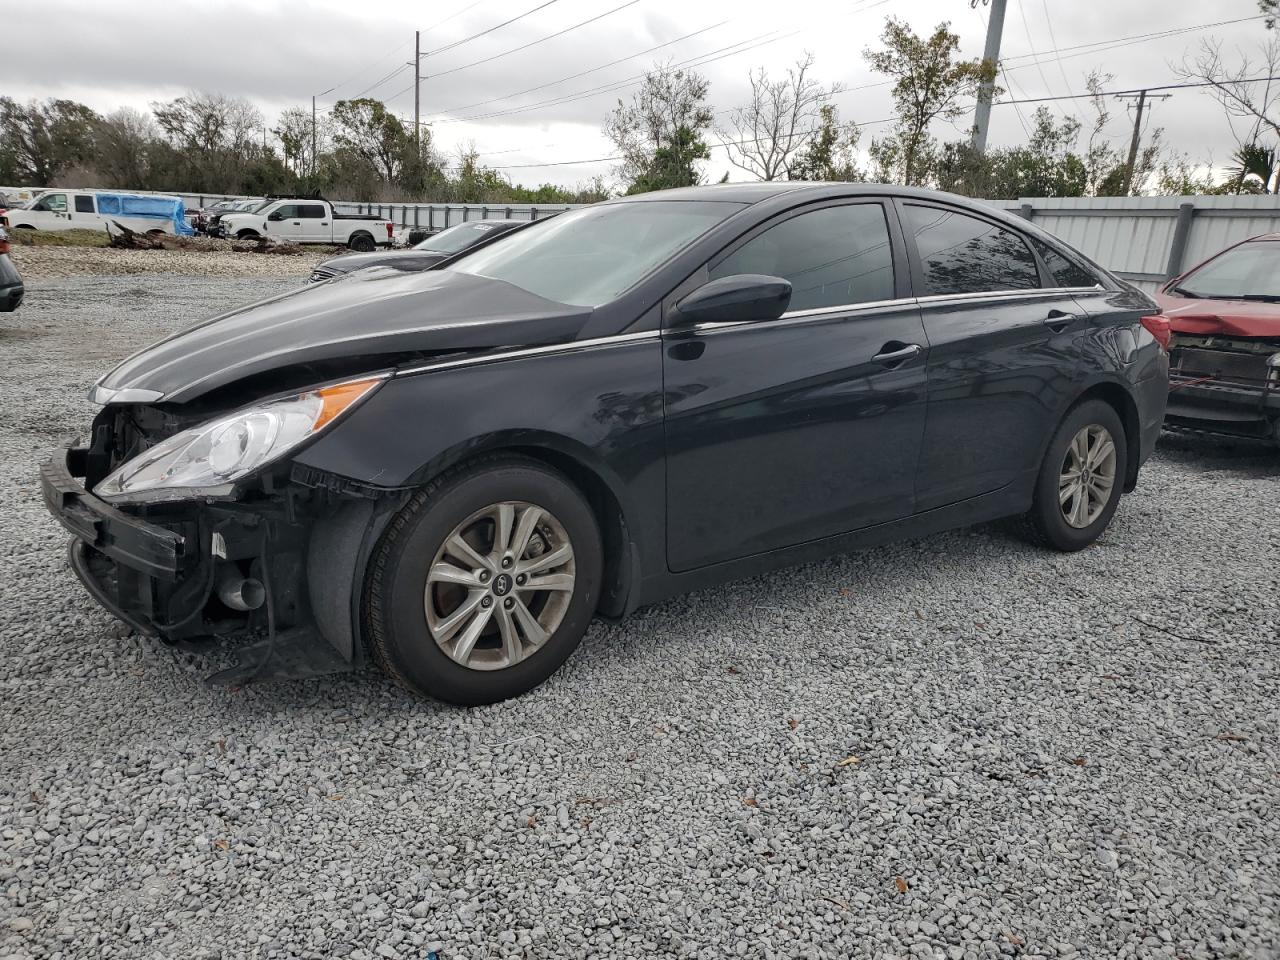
817	313
514	354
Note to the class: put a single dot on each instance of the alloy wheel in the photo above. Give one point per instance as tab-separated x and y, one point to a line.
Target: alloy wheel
500	585
1088	476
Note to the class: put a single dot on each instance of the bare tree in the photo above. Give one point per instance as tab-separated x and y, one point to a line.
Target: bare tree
1232	85
766	137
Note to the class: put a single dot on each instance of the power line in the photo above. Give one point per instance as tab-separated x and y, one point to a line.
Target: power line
1054	40
524	46
486	32
701	59
583	73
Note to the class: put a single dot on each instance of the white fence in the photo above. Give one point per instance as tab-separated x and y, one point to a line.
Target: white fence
1146	240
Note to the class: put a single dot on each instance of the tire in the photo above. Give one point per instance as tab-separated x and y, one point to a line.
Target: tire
1047	522
247	235
361	243
407	616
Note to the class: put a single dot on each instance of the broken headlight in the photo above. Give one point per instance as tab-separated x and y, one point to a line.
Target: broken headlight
207	460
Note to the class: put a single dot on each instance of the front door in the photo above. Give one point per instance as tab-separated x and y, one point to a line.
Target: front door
285	222
1003	353
780	432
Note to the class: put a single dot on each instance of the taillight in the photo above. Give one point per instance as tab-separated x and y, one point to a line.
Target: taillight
1158	326
388	231
4	246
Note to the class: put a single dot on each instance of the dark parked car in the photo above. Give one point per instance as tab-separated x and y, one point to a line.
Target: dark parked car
1224	363
435	249
11	288
453	471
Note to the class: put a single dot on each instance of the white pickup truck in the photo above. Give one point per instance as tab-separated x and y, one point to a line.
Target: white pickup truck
309	221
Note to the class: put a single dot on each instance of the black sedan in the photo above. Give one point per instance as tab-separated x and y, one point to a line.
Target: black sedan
11	288
452	472
435	249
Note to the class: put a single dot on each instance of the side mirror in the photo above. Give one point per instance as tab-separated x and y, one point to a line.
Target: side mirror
276	215
742	297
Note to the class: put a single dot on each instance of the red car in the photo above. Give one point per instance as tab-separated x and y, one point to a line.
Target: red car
1224	361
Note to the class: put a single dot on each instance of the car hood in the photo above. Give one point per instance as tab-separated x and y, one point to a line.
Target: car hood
1233	318
400	259
372	320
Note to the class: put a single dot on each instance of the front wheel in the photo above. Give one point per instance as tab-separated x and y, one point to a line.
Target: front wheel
484	583
1080	479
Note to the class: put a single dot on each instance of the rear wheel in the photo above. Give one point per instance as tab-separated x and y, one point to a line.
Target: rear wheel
484	583
1081	478
362	243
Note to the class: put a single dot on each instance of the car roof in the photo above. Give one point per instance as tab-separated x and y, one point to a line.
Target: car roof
750	193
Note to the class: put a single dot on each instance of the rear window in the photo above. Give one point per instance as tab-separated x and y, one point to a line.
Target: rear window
964	254
1249	271
1065	273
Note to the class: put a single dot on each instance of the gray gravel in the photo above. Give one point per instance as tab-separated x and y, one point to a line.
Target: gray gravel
953	748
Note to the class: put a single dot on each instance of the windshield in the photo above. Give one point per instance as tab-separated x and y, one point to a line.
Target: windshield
1250	271
458	238
590	256
253	206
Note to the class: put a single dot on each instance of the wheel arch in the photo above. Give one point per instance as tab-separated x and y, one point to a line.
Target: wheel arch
1120	398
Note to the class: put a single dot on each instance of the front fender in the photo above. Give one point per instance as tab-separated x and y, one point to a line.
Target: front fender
599	407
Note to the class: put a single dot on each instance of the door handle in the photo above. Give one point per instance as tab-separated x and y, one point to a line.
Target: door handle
892	354
1059	320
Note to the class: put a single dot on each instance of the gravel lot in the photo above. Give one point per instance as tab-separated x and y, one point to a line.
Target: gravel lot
953	748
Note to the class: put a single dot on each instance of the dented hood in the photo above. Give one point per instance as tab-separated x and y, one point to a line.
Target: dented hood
371	320
1229	318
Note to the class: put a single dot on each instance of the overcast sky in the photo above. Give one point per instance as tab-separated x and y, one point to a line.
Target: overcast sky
278	53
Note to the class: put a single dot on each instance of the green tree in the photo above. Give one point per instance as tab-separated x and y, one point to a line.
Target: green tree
40	140
660	134
1046	166
831	152
214	137
929	83
370	131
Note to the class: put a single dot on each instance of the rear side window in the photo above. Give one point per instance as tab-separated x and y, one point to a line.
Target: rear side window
963	254
84	204
832	257
1065	273
312	211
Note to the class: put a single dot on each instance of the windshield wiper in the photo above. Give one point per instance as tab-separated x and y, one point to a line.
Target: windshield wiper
1184	292
1259	297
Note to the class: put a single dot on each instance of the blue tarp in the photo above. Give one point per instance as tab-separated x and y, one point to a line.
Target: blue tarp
155	208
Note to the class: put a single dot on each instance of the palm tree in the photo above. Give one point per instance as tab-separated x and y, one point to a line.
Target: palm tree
1254	160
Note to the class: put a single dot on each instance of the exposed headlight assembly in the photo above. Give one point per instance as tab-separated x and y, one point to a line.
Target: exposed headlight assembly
206	461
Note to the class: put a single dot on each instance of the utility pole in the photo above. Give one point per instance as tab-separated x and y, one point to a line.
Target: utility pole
982	114
313	136
417	82
1141	98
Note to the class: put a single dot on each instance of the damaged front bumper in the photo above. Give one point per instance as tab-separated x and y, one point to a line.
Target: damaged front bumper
1227	387
179	571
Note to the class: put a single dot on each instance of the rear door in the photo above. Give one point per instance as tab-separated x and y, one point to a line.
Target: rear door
316	224
784	431
1004	351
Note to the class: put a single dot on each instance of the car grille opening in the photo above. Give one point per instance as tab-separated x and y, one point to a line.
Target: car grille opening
1242	364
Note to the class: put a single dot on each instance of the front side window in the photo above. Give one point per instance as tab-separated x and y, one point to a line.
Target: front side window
84	204
1065	273
832	257
964	254
53	202
1250	271
286	211
590	256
